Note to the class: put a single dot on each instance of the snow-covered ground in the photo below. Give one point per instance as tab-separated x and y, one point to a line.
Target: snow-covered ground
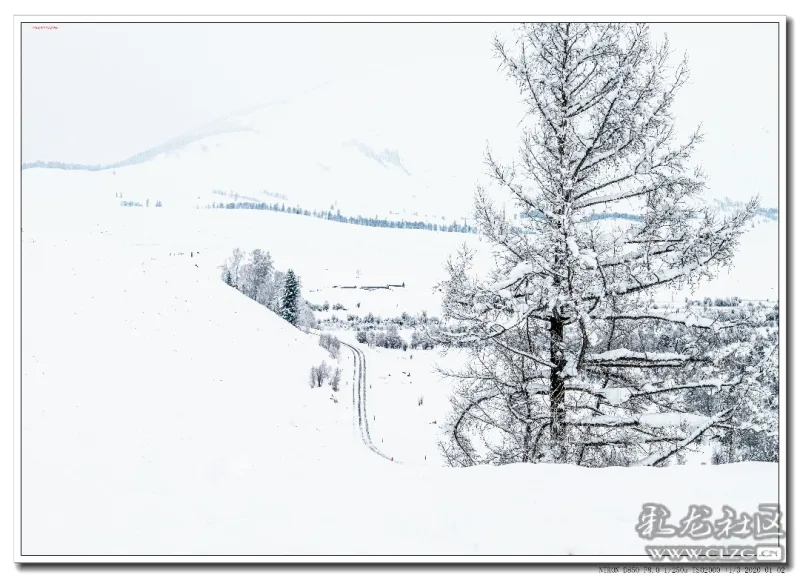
329	255
165	413
397	381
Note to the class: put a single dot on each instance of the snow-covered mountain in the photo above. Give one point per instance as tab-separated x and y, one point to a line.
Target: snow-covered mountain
327	147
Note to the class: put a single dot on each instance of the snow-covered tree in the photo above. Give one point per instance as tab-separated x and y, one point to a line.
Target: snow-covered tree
556	374
318	375
275	299
232	268
290	304
256	276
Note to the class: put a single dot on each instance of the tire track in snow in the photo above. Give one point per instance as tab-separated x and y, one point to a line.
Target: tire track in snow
360	399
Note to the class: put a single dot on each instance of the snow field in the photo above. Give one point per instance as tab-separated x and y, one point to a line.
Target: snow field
165	413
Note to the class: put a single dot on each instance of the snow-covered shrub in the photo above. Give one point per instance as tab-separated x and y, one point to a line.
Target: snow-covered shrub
389	339
319	374
422	340
336	378
393	339
331	343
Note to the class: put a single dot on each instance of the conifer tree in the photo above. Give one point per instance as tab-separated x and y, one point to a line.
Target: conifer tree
290	303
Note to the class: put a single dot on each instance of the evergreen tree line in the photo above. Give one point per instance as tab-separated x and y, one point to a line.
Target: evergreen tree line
537	214
255	275
454	227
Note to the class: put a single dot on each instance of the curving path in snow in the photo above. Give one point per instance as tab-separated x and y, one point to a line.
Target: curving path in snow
360	399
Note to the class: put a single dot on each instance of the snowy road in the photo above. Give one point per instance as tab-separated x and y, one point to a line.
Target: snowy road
360	399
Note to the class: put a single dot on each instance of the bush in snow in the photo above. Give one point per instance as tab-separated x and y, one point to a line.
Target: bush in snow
232	267
376	338
331	343
389	339
361	336
728	302
392	339
773	316
336	378
319	374
422	340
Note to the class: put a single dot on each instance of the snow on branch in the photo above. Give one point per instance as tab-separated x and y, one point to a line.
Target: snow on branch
626	357
711	383
687	319
659	457
656	420
515	275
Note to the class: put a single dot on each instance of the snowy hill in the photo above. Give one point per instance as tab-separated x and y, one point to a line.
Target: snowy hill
332	146
315	247
166	413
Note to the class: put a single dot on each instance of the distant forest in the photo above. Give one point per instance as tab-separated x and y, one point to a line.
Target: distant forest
337	216
454	227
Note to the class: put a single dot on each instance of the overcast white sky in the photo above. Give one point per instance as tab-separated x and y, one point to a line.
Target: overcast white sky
97	93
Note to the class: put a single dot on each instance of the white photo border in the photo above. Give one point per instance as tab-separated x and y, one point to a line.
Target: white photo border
22	20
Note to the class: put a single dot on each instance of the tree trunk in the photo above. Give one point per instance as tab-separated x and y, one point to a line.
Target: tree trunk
527	443
557	409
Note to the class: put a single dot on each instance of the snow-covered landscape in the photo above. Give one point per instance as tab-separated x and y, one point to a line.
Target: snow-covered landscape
297	330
